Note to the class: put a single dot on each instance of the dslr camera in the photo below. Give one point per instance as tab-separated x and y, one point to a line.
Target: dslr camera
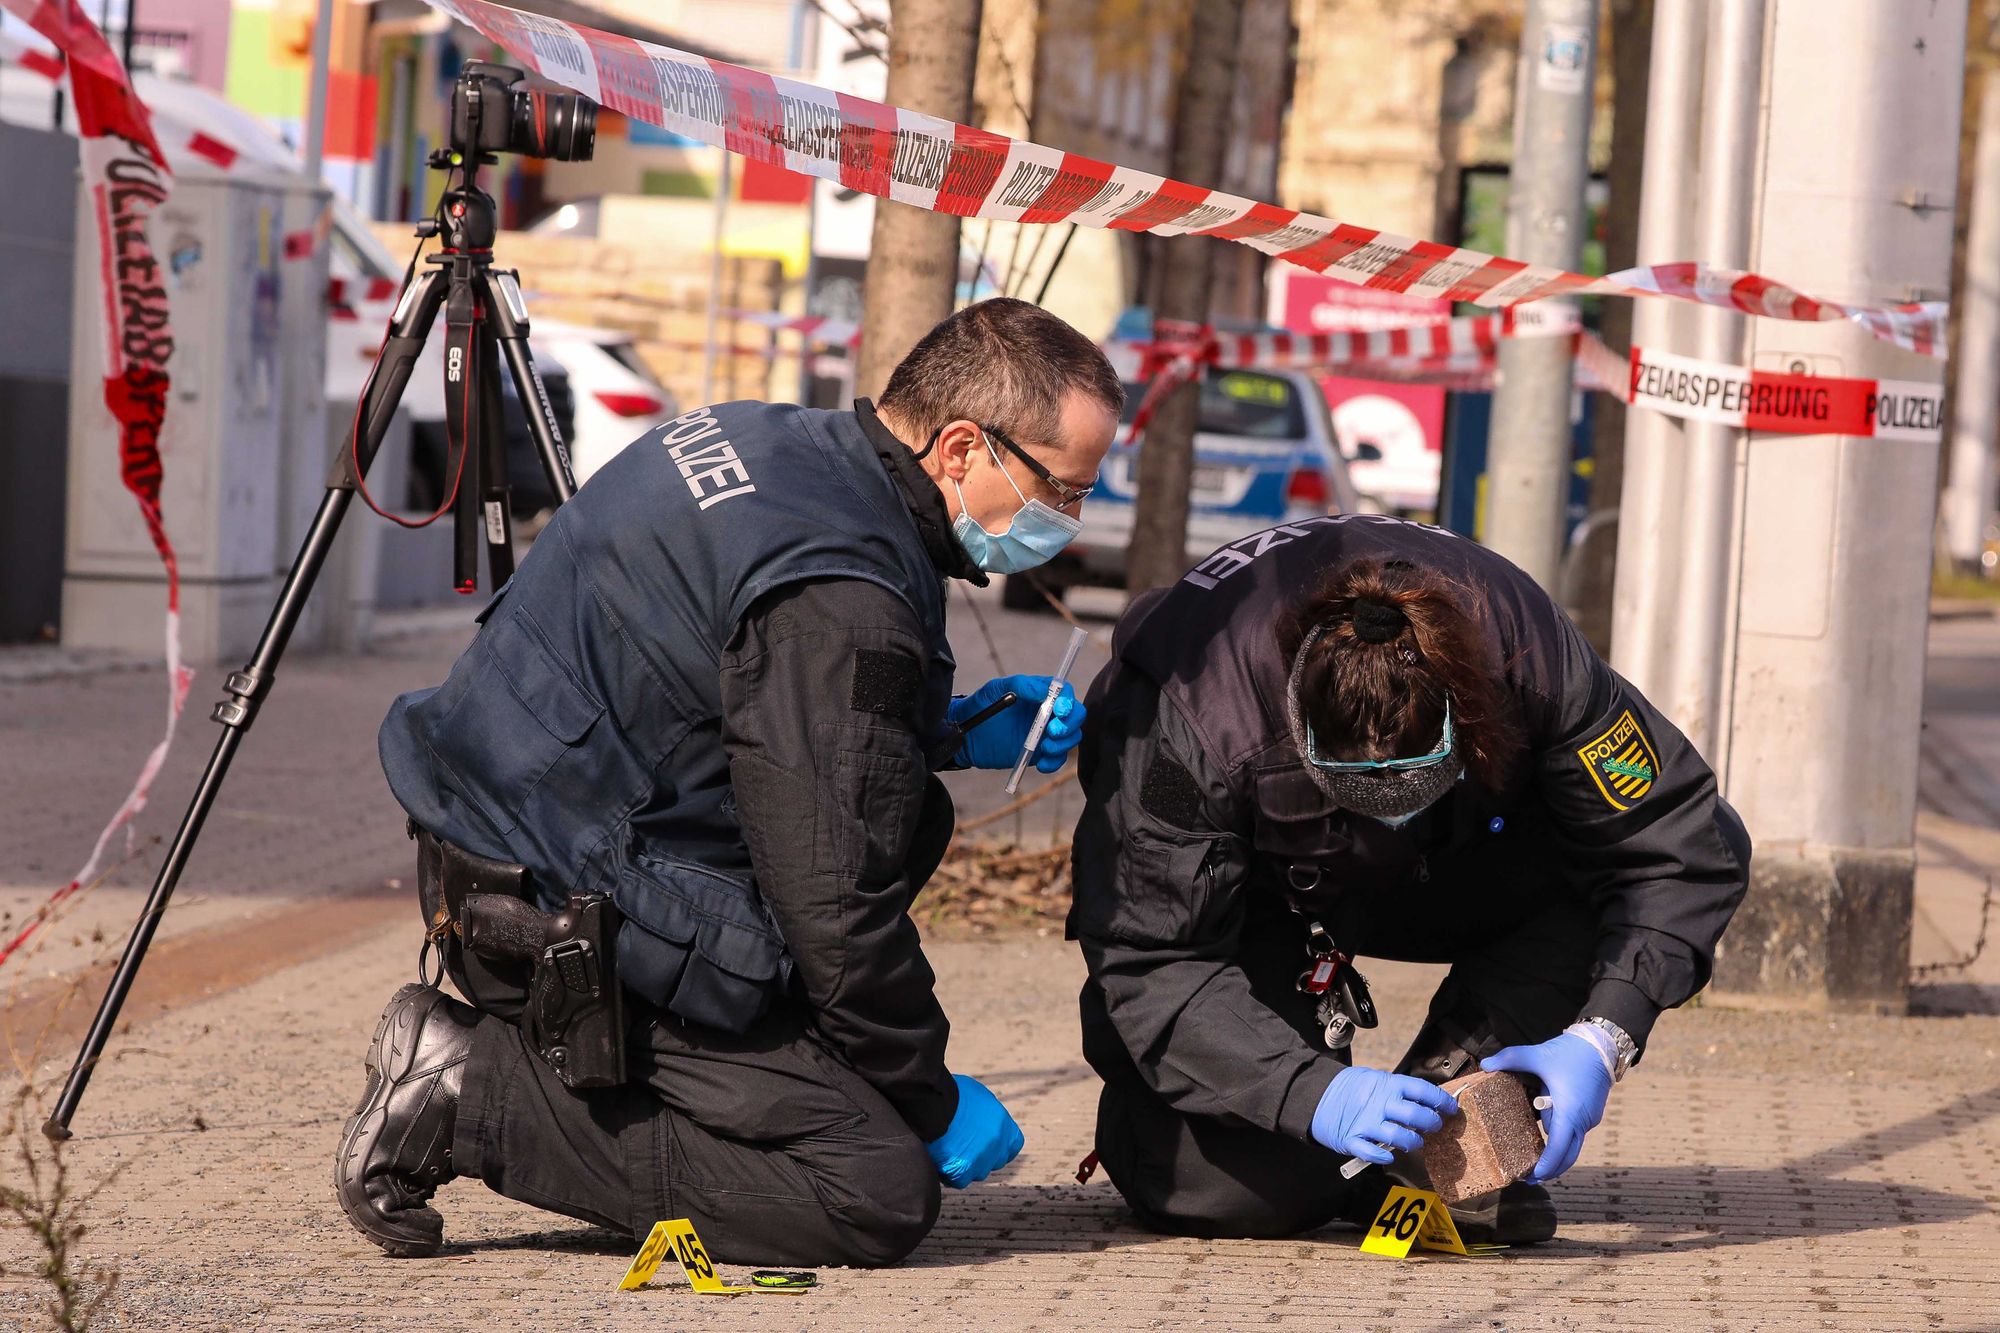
490	115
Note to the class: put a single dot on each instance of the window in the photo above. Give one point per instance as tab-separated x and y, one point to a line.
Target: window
1248	403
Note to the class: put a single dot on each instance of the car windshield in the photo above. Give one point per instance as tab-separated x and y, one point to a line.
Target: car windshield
627	355
1241	402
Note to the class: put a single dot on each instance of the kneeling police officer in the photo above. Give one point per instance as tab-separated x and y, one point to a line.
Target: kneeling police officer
675	800
1360	736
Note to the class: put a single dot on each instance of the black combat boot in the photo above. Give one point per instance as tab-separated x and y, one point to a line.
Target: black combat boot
1520	1214
1447	1048
396	1150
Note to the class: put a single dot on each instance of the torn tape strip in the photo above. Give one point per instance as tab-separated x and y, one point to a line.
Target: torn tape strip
945	167
825	331
126	179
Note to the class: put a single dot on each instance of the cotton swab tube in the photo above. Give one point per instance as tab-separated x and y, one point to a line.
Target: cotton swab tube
1048	708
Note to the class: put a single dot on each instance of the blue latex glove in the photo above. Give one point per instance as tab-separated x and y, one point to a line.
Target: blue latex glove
997	742
1572	1069
1366	1112
981	1138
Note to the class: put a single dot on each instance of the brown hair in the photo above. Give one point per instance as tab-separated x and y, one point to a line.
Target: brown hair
1396	642
1003	363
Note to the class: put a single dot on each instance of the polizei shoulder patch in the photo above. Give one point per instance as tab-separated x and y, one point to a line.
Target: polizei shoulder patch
1622	762
884	681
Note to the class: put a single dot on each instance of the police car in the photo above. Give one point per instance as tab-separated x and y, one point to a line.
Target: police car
1264	453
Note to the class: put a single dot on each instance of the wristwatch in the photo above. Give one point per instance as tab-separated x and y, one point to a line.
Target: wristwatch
1621	1041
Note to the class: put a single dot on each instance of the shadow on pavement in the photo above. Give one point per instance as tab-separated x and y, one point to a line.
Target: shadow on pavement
1704	1208
573	1238
1677	1208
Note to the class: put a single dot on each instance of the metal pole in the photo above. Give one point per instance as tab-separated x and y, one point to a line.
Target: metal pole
1648	508
131	23
708	353
1969	498
1700	650
1528	468
322	50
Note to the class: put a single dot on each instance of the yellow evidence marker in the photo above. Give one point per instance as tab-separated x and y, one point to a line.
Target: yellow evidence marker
1416	1217
678	1238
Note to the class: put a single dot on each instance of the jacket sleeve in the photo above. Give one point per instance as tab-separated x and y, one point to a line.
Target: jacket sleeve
1640	823
821	690
1159	913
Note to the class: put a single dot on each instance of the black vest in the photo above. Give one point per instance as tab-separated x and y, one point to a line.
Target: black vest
580	734
1211	643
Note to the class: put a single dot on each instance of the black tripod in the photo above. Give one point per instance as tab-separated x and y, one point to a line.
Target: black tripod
483	313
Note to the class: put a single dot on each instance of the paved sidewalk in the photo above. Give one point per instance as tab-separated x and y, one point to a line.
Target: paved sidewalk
1758	1171
303	813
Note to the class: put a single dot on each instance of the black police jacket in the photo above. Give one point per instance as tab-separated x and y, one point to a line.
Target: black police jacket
715	689
1196	796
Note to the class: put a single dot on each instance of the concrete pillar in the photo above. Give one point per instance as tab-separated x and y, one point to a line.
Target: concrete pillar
1823	701
1649	511
1698	648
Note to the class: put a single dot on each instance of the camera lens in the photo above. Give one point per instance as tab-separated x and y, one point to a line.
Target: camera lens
562	126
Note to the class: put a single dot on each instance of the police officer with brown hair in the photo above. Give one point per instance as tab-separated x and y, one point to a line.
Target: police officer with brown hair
674	802
1361	736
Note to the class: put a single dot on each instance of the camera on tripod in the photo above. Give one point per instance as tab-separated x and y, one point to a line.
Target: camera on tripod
490	115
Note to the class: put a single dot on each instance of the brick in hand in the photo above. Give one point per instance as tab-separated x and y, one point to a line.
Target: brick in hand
1494	1140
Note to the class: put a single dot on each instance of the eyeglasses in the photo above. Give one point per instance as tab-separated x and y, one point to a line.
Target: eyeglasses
1437	756
1070	495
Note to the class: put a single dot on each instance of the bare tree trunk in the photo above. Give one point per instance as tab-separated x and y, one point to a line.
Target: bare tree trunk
1631	31
1982	59
913	254
1158	553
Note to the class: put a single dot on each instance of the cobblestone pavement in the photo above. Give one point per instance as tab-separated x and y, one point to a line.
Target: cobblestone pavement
1758	1171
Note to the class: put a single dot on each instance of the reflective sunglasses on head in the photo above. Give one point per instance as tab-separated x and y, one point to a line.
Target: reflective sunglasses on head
1437	756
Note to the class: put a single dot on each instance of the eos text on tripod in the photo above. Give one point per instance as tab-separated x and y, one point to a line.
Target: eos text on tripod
490	115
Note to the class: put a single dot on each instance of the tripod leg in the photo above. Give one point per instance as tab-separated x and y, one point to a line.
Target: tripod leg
246	688
496	486
509	314
464	401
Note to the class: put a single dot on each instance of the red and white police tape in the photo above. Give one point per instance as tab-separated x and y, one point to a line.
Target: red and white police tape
126	175
945	167
1787	404
817	330
1461	352
1464	353
14	51
179	141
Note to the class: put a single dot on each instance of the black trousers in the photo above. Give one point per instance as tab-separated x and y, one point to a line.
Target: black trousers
1520	946
775	1149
